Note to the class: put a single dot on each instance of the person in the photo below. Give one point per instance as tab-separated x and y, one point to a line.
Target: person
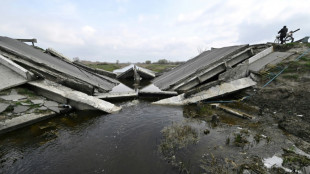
282	33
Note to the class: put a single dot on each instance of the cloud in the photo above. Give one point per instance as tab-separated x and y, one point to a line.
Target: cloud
174	30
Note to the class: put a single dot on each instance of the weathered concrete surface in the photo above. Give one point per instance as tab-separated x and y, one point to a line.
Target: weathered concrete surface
11	74
214	70
128	72
22	121
74	98
57	54
16	68
118	95
95	70
261	55
194	71
218	90
9	78
20	108
238	72
154	91
13	97
3	107
271	59
45	63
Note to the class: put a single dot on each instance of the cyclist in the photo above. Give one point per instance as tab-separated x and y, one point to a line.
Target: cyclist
282	33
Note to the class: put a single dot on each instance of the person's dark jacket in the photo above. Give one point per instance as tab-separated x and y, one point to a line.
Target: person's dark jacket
283	32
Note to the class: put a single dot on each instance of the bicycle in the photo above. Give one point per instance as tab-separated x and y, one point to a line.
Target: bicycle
288	38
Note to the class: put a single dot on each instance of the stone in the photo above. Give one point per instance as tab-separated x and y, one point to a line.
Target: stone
3	107
20	108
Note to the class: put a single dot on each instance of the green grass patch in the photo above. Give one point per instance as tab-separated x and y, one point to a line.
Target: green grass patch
107	67
25	91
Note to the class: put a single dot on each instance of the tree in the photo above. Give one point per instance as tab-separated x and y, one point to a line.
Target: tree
148	62
76	59
162	61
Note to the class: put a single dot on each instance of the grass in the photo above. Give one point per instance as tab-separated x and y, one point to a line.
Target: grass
291	76
25	91
107	67
176	137
240	140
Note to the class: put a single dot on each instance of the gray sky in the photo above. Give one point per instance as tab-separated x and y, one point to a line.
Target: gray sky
139	30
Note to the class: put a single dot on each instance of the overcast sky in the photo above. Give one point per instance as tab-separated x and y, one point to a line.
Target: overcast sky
140	30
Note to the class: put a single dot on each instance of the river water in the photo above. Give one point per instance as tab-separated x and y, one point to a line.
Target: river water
89	142
129	141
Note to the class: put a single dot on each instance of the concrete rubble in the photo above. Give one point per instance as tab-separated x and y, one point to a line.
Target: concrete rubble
53	68
76	99
227	70
202	68
129	72
218	90
66	84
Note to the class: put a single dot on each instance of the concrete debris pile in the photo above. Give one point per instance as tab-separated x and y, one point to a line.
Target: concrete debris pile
217	72
54	76
54	68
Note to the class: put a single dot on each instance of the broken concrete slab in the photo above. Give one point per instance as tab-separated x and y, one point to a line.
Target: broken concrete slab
20	109
22	121
128	72
201	68
37	102
9	78
53	68
13	97
57	54
238	72
72	97
118	95
261	54
271	59
16	68
3	107
215	91
96	70
51	105
154	91
233	111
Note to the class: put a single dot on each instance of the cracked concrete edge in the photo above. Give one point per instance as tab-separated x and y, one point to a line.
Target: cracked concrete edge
80	100
261	54
23	121
218	90
16	68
